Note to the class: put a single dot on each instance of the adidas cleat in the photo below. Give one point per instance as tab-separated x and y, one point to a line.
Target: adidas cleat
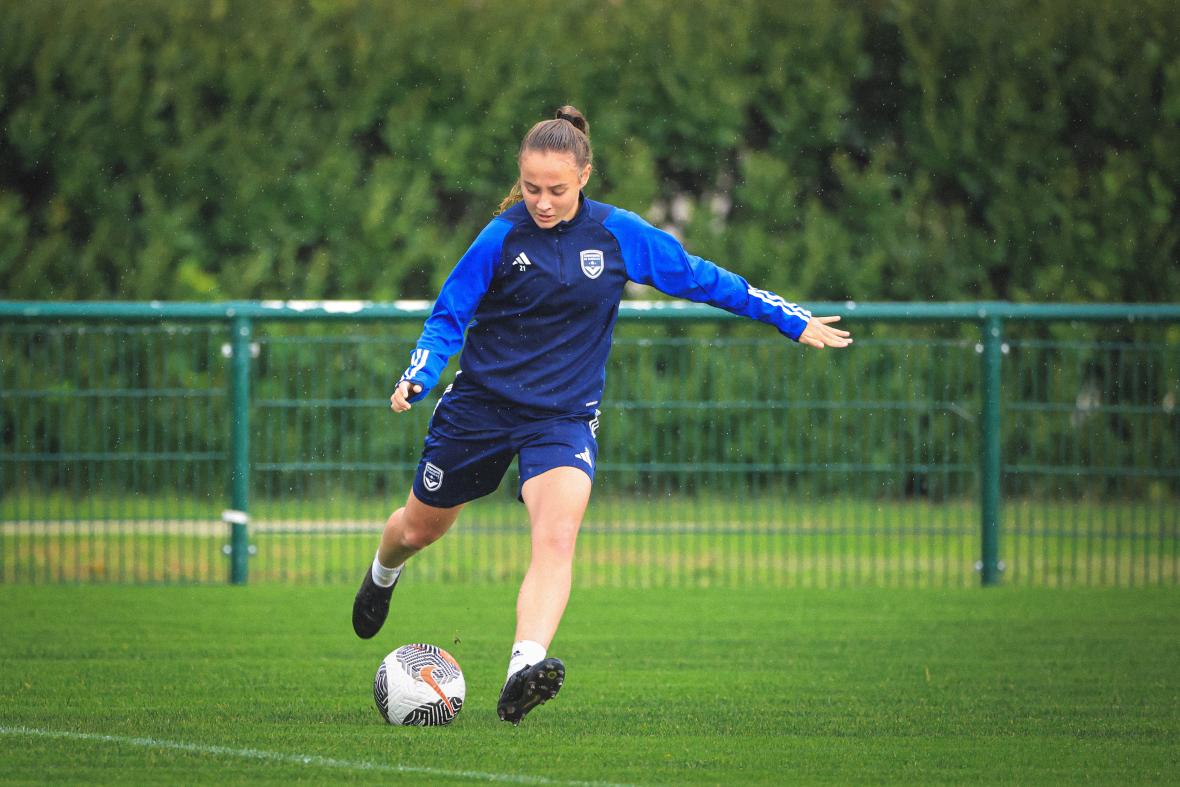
530	687
371	606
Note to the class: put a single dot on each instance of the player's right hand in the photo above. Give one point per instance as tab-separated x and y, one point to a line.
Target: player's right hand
400	401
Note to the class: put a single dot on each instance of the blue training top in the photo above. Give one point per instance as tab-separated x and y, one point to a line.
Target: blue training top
539	305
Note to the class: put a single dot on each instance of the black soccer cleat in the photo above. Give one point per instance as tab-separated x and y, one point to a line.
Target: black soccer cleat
529	687
371	606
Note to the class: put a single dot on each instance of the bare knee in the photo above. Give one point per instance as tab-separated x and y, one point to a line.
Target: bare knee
412	533
556	540
418	538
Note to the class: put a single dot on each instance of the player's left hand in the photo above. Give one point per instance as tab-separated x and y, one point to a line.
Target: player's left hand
819	335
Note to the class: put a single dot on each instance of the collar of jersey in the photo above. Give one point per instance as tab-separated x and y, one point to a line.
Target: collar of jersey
562	226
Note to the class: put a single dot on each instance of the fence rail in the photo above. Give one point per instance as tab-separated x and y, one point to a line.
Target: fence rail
952	444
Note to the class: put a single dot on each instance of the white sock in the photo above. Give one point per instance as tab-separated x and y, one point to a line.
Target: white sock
384	577
524	653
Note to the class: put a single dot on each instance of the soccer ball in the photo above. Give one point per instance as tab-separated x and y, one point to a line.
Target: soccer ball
419	685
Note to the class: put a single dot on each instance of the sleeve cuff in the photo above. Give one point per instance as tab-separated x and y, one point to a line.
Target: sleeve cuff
425	368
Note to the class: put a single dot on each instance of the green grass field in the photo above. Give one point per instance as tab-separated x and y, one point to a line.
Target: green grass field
266	683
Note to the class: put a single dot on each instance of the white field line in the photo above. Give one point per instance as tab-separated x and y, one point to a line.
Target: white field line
292	759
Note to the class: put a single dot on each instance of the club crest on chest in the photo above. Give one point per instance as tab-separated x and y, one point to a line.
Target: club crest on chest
592	263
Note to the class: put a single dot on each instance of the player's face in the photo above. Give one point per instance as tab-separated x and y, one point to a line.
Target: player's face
551	182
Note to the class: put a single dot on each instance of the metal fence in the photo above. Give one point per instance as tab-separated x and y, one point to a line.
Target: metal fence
952	444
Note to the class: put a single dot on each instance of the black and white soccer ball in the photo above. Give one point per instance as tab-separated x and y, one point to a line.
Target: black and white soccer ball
419	685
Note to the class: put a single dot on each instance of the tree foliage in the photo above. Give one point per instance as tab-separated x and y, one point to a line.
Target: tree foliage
828	150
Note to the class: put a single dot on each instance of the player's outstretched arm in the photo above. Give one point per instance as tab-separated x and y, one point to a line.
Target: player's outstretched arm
819	335
399	402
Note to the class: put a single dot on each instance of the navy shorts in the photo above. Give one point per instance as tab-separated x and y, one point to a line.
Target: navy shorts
472	440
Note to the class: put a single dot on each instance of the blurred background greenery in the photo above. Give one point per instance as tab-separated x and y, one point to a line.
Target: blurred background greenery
828	149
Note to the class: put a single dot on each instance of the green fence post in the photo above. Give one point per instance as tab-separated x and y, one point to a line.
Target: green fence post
989	563
236	517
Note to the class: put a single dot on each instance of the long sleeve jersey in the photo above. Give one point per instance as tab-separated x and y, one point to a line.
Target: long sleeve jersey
539	305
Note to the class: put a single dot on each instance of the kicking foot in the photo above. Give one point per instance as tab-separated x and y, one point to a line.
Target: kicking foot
529	687
371	606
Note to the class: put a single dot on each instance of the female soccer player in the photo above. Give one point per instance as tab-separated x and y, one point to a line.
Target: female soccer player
537	294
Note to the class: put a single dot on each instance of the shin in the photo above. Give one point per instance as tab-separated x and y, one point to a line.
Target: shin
556	502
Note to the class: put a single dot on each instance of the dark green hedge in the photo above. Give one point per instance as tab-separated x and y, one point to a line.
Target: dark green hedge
889	150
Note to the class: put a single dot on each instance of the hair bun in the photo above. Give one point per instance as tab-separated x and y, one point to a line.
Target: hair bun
572	115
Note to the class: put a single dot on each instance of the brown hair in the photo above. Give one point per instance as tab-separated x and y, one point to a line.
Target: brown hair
567	132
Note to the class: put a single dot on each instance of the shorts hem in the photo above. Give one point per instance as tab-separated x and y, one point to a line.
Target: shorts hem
442	501
520	484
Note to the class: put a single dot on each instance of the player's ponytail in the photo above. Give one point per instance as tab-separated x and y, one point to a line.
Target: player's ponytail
575	118
567	132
